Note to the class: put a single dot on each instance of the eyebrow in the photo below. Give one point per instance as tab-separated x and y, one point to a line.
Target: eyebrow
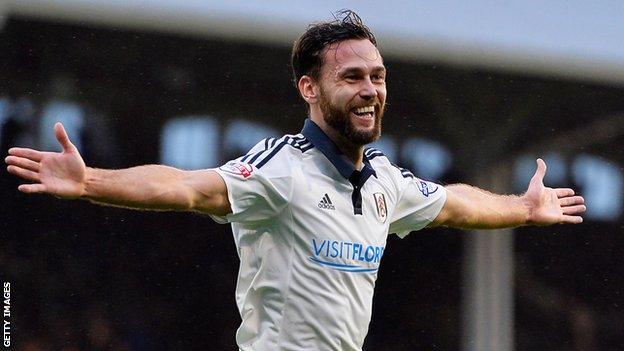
351	70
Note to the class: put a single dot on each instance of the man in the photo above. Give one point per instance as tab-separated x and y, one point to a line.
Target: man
310	212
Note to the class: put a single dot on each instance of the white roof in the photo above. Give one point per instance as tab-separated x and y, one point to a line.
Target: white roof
565	38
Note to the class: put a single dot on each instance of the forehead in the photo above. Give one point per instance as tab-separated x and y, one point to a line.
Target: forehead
351	53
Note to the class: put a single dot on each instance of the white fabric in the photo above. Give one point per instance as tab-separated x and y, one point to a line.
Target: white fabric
307	266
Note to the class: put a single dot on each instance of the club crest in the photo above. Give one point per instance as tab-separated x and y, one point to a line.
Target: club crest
382	209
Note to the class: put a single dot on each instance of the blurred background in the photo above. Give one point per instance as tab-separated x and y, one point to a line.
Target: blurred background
476	91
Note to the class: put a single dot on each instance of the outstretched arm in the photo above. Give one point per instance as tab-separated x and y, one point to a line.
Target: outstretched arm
64	174
473	208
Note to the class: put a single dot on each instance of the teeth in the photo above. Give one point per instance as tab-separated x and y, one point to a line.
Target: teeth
365	109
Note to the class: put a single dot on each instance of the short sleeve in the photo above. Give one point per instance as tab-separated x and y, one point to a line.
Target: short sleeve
255	194
419	204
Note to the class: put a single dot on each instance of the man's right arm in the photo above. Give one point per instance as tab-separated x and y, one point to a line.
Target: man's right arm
153	187
158	187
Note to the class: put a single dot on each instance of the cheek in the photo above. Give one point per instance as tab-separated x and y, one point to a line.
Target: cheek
382	93
342	97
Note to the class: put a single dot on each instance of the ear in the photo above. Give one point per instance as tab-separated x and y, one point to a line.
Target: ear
308	88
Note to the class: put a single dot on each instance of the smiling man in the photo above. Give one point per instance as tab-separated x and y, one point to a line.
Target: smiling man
311	211
350	94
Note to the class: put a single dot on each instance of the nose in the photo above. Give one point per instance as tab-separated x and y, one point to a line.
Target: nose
368	90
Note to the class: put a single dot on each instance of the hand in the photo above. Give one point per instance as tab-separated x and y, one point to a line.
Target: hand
62	174
550	206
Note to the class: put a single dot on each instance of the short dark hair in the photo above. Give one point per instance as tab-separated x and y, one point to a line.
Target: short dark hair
307	51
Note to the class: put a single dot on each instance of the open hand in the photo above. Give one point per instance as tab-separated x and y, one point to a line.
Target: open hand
57	173
550	206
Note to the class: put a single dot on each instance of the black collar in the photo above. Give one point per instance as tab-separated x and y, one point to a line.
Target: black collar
322	142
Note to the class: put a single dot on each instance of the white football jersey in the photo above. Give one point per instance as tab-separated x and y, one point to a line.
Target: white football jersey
310	231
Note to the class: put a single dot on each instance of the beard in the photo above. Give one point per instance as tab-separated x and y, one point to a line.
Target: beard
340	120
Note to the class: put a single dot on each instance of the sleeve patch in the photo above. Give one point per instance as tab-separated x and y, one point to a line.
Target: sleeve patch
426	188
238	168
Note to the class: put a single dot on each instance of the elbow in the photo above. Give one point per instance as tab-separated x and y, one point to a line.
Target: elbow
461	221
210	203
205	192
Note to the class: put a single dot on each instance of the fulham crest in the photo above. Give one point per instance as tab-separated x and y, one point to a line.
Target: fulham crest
382	209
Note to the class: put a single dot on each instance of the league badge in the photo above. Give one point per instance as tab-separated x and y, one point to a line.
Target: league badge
424	187
238	168
382	209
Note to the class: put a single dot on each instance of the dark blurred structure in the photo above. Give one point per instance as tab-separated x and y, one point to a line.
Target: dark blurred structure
94	278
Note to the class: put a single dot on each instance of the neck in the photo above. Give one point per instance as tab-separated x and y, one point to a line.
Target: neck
354	152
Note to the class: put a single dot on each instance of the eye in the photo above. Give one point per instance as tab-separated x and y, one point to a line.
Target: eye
378	77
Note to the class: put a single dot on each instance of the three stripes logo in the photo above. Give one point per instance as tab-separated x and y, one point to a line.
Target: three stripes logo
326	204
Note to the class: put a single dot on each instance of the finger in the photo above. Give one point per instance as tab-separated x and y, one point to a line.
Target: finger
27	153
571	210
32	188
570	201
23	173
22	162
61	136
539	172
563	192
571	219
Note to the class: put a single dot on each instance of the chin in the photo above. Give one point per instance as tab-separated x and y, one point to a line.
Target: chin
362	136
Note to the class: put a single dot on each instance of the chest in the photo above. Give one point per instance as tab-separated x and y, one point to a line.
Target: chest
326	205
330	232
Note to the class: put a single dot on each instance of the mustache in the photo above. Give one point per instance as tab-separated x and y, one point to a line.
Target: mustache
375	102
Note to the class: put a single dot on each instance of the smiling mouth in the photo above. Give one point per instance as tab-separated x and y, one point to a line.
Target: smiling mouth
367	112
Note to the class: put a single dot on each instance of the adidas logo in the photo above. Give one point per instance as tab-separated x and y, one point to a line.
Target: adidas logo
326	203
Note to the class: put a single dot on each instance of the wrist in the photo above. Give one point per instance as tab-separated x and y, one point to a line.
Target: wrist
526	213
88	182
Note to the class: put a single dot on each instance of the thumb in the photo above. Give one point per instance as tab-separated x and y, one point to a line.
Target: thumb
63	139
540	172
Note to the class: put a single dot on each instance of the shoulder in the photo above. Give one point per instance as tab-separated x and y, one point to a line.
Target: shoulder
276	154
381	163
388	172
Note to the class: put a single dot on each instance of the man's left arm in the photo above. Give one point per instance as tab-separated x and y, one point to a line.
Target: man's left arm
469	207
